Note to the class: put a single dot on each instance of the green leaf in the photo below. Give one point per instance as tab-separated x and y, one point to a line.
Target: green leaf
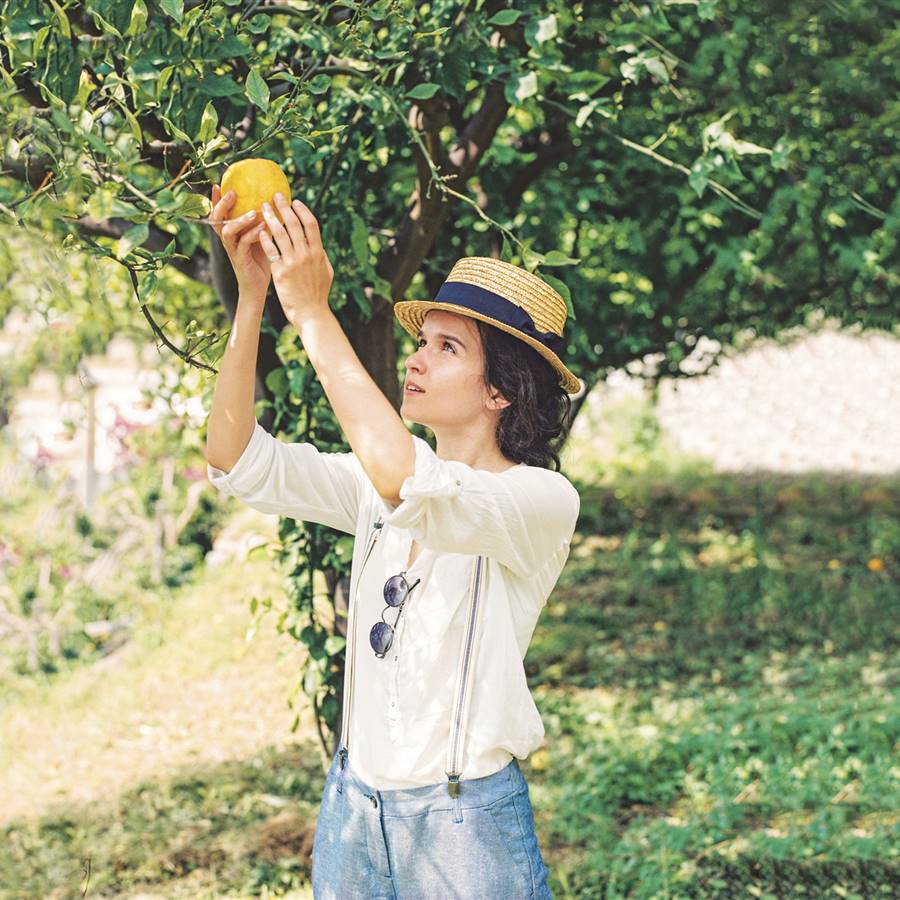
505	17
744	147
583	114
193	205
780	153
62	121
8	79
359	239
334	643
276	382
558	258
259	23
454	72
134	237
162	81
106	25
563	290
257	89
97	143
360	299
209	123
104	204
133	125
699	175
219	86
434	33
546	29
319	84
519	89
657	67
531	259
138	23
381	286
39	40
63	21
175	130
175	8
424	91
706	9
147	286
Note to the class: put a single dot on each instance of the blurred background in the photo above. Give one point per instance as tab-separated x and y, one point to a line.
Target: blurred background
713	189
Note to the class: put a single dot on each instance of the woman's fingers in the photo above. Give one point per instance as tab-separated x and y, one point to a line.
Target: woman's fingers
309	223
291	222
221	206
233	230
279	233
251	234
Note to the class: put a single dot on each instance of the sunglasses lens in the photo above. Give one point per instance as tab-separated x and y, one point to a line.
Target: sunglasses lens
380	637
395	590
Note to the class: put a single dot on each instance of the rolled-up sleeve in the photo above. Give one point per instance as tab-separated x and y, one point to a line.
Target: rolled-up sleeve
296	480
520	517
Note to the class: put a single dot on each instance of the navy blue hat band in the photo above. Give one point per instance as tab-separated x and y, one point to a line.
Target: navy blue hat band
486	302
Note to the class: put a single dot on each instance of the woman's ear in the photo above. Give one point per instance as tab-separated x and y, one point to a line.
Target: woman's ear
497	400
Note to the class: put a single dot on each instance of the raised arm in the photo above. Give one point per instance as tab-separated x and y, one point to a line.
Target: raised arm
232	417
302	275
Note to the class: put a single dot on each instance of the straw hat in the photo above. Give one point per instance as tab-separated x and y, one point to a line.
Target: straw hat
505	296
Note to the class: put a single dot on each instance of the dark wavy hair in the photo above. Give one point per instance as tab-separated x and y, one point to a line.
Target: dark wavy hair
533	428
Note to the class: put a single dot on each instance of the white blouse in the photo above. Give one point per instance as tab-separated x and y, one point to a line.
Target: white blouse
521	520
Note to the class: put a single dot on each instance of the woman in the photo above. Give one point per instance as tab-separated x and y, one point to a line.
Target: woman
457	550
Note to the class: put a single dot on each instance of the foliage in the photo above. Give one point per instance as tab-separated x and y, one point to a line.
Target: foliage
688	753
72	581
675	170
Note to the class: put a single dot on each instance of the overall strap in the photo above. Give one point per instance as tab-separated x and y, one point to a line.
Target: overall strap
350	646
464	680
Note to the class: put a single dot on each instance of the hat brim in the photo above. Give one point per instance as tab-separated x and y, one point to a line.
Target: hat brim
411	315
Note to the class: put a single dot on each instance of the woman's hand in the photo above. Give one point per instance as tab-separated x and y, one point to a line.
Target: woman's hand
300	268
249	261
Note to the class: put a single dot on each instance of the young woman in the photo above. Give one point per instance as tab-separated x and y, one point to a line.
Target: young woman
456	552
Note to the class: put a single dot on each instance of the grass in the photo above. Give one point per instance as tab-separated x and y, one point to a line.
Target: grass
717	672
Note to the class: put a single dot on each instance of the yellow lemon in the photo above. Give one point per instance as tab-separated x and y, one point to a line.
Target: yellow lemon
254	182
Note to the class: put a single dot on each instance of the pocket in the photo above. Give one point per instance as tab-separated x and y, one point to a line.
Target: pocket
327	827
508	828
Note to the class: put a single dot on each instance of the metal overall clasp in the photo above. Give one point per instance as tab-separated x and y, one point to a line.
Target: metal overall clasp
342	761
453	785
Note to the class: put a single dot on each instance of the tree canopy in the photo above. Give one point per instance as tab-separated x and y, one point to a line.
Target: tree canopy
675	170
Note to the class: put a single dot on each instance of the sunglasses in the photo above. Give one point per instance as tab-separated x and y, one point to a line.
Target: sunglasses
396	590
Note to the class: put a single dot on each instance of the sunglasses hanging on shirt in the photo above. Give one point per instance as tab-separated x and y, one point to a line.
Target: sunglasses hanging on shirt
396	590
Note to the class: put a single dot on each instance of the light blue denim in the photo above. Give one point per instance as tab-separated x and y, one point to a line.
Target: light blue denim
422	844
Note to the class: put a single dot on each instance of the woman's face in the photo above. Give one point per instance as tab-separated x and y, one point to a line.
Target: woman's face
451	373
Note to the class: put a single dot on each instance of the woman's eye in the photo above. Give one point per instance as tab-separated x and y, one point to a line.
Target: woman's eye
446	344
